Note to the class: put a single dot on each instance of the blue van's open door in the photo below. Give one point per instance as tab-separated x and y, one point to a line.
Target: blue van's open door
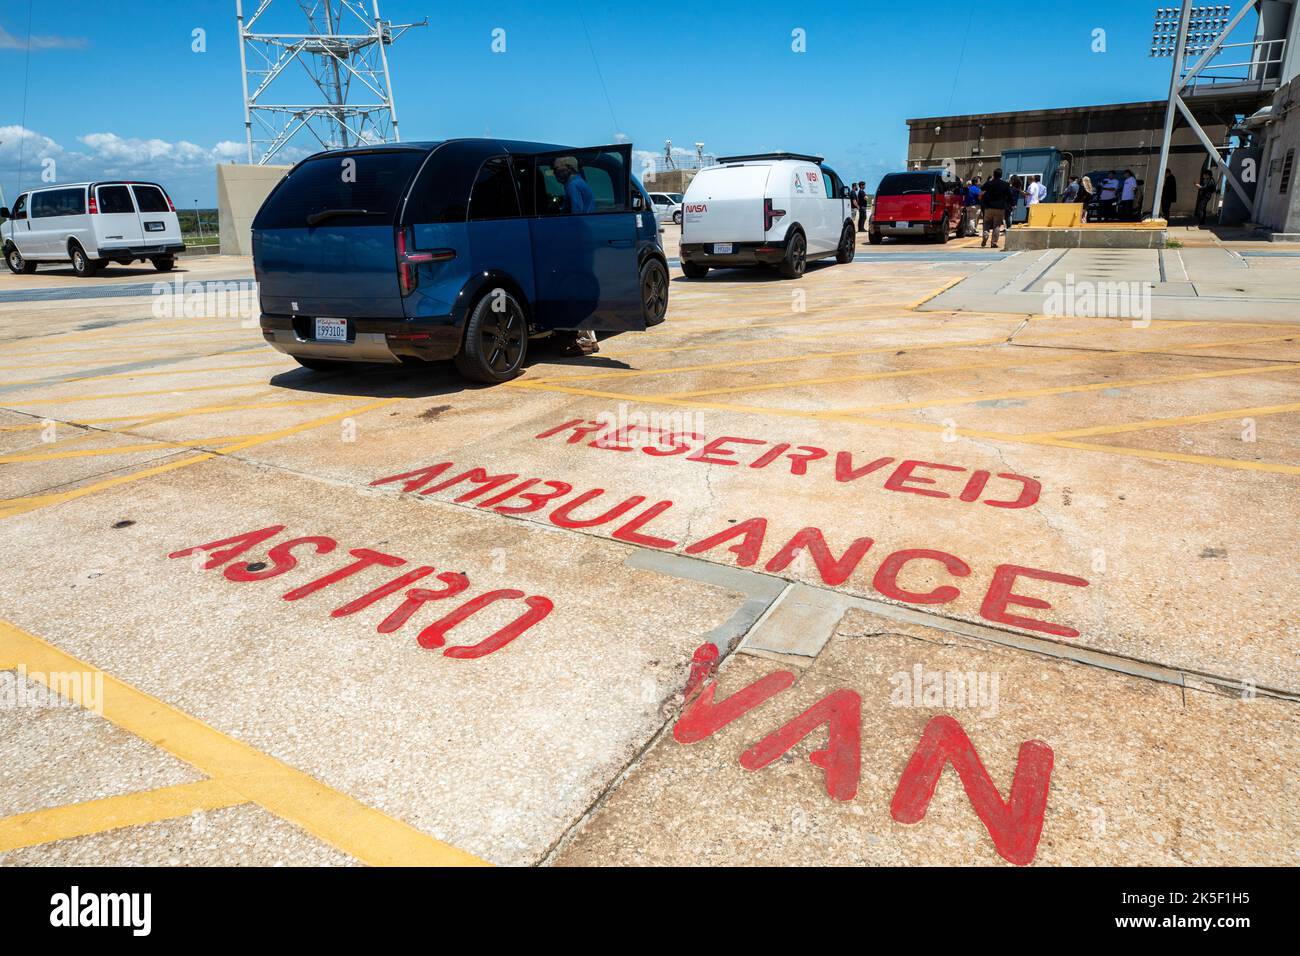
585	241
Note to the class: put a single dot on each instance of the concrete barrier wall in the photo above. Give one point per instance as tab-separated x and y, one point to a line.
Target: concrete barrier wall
241	190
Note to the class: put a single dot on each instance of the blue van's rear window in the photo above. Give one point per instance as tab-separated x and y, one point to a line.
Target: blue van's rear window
354	189
903	184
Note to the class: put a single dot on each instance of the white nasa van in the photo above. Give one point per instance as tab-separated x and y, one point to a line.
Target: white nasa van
91	225
769	209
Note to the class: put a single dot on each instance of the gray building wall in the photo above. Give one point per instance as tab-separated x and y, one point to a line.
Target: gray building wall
1275	209
1120	136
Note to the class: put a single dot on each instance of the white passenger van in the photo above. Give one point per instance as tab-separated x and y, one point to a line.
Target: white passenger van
91	225
769	209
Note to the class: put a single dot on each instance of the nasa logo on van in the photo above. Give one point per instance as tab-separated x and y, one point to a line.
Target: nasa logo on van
798	183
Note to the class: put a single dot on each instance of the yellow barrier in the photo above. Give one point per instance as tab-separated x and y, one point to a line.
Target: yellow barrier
1056	215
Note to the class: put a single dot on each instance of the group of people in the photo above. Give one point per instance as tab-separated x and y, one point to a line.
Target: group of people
859	198
995	202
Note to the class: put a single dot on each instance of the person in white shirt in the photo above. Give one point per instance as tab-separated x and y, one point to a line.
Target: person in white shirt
1109	194
1128	196
1038	190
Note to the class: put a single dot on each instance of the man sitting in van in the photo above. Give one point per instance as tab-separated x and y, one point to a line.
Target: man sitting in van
578	197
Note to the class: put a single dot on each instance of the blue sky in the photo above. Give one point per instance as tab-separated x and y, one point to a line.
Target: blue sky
112	87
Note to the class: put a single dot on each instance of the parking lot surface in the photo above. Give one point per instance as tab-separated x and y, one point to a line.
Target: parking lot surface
846	570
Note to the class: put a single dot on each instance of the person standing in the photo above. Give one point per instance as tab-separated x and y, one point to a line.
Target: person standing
1204	194
862	205
995	198
1109	195
1168	195
1072	190
1086	192
973	206
1128	196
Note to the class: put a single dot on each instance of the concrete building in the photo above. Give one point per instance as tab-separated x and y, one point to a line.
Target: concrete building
1277	198
241	189
1091	138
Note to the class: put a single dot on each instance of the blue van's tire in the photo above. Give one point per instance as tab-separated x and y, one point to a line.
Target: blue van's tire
654	292
693	270
16	263
496	339
796	256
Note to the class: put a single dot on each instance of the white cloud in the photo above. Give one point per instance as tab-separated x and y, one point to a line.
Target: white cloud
10	42
186	167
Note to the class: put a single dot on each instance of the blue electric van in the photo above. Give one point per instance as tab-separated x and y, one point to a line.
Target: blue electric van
460	249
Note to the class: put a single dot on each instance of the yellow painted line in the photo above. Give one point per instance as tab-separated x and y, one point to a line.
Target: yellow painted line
1262	411
953	401
1151	454
153	418
929	427
750	363
339	820
174	371
913	306
858	377
720	345
16	506
63	400
114	813
970	343
1074	356
122	449
38	351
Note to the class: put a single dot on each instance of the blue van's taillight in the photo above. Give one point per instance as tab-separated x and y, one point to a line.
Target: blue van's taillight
409	262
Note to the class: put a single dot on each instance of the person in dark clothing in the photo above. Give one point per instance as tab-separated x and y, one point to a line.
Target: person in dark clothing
995	198
862	205
1169	195
1204	194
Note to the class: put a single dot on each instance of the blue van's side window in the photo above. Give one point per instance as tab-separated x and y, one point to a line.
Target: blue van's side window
493	196
604	174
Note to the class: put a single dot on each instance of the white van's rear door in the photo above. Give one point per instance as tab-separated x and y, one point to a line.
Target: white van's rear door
118	223
725	204
157	218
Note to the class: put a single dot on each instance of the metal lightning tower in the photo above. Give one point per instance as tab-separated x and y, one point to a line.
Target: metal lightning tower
345	97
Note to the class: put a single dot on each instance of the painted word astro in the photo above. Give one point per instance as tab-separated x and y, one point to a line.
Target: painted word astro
281	559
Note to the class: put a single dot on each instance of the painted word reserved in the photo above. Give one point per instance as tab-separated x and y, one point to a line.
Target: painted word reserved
282	559
507	494
907	476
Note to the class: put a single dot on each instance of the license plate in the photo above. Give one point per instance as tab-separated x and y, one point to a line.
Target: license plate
332	330
154	227
722	248
904	225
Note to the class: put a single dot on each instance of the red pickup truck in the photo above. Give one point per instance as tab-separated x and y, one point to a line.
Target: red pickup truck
920	203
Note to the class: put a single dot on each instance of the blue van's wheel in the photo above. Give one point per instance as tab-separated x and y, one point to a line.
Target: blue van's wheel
654	291
496	339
